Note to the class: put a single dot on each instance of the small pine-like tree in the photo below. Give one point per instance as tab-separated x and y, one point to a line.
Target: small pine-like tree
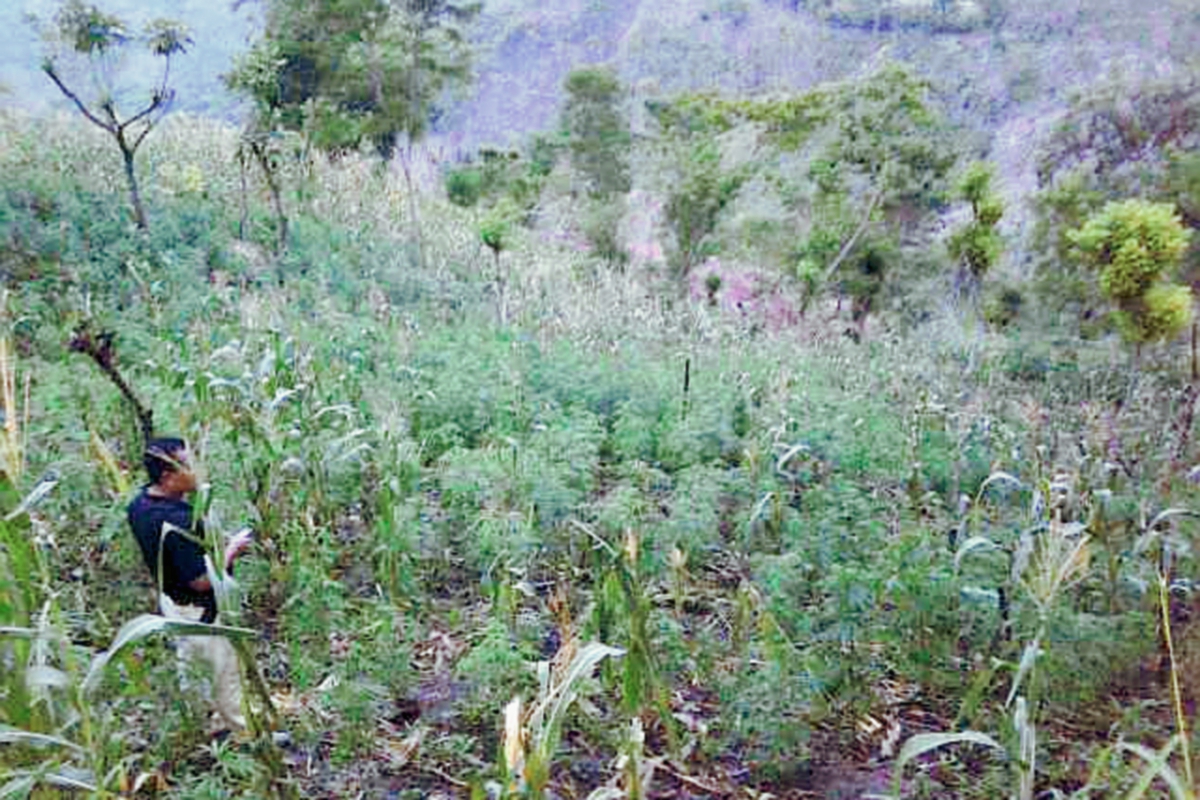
977	245
597	130
1136	245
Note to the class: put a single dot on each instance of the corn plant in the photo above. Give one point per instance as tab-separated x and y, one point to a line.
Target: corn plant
623	603
84	746
15	399
531	737
1048	557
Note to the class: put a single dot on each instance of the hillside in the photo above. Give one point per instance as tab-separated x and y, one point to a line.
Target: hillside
1008	71
741	458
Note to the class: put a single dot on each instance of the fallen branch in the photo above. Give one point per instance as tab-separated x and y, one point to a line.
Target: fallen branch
100	349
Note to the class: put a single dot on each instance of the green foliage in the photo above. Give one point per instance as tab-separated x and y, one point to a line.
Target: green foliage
602	229
1133	244
496	227
597	130
357	70
1136	245
1121	138
498	175
98	37
441	502
464	186
89	30
1163	313
977	244
1003	306
698	191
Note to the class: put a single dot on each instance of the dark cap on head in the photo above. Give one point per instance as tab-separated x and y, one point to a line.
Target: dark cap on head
160	456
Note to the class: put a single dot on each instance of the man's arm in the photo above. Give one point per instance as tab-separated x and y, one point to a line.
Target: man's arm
238	544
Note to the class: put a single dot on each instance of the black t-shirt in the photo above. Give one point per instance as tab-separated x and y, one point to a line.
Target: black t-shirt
182	558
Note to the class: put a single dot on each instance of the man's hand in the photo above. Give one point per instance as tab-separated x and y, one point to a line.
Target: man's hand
237	544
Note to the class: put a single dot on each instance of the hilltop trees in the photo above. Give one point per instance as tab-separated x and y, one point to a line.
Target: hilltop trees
1118	140
861	164
100	40
353	70
597	130
700	189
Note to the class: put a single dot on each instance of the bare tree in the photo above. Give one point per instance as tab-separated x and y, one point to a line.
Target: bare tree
100	38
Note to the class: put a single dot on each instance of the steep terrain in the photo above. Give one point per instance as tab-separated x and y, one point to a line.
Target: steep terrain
1005	79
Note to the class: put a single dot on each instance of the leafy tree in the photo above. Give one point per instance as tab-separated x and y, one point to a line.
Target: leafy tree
495	232
597	130
100	39
256	76
1119	139
1135	245
878	151
699	191
348	71
881	156
494	174
976	246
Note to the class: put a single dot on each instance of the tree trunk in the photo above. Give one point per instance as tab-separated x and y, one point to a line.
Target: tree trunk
501	299
413	217
264	162
135	196
244	219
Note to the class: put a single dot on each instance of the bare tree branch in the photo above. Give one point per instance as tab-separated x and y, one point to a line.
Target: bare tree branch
156	103
83	109
853	240
145	131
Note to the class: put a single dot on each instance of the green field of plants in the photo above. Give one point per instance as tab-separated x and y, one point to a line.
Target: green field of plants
541	510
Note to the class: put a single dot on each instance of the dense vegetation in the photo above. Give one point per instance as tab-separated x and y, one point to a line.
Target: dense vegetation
722	457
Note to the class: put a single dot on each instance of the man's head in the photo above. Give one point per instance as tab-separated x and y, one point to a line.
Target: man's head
166	461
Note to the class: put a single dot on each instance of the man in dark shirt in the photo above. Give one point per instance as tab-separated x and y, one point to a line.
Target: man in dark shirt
172	545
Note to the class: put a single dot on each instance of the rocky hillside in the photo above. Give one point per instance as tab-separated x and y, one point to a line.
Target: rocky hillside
1006	66
1004	75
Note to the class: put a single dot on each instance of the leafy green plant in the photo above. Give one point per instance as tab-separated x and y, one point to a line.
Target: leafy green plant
597	130
976	246
699	191
1135	245
88	760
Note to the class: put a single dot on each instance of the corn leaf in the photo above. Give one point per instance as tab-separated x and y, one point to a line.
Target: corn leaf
10	735
46	676
970	545
21	786
148	625
998	477
1158	768
924	743
1028	659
